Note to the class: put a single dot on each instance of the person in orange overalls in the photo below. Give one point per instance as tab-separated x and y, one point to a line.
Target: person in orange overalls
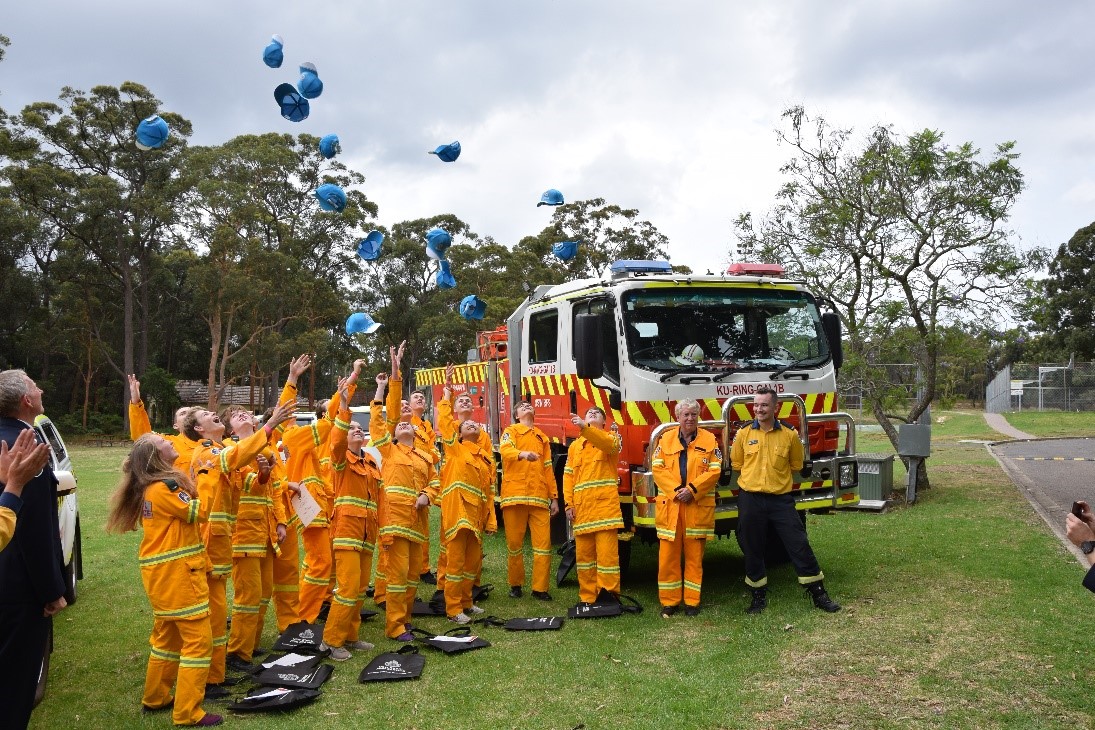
353	529
410	484
397	411
425	440
467	508
529	500
686	465
139	425
260	529
173	567
590	491
307	447
213	468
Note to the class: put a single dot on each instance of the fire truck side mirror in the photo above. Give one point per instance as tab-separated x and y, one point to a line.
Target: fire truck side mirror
830	323
588	346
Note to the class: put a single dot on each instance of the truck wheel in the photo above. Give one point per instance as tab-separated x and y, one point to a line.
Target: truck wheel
72	570
43	672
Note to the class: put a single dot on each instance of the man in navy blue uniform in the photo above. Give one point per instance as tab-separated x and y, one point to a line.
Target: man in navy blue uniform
32	586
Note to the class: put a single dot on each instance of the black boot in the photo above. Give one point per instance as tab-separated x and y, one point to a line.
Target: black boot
821	598
760	601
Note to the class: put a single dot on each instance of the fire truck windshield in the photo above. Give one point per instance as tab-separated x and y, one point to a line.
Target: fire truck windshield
718	329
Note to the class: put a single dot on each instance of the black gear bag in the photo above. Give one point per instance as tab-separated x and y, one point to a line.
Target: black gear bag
392	666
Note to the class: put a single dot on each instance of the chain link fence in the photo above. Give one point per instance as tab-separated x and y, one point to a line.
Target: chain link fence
1042	387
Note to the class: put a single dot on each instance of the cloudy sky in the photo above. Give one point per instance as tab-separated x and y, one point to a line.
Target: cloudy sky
667	107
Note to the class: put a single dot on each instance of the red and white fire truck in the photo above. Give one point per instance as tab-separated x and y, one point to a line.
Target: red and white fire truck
642	337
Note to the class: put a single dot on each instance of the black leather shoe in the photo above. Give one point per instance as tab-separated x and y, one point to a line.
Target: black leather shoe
821	598
515	592
428	577
234	663
691	610
541	595
668	611
213	692
760	601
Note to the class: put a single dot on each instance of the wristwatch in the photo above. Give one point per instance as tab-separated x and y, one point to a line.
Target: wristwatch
1088	547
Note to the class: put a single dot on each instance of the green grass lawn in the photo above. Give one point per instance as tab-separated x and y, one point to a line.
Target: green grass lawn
1053	423
961	612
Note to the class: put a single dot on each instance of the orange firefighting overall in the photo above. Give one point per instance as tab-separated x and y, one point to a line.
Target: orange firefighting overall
307	446
467	509
259	511
590	489
213	467
527	490
173	567
286	569
353	529
684	527
425	440
406	474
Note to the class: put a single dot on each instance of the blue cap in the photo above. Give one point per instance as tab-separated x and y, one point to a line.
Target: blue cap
550	197
438	241
331	197
565	250
309	85
272	55
472	307
368	248
445	279
294	107
447	152
329	147
152	133
361	322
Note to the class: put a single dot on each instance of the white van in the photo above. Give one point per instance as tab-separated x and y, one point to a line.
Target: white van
68	514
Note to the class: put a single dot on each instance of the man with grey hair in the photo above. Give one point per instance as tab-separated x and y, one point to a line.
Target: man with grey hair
686	466
32	586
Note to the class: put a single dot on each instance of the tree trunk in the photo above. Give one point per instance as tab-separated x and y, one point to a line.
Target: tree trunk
214	356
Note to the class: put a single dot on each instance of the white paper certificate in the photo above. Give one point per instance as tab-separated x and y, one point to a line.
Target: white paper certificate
305	506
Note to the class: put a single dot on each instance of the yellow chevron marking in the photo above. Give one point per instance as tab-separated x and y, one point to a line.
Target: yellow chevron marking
714	406
661	407
634	413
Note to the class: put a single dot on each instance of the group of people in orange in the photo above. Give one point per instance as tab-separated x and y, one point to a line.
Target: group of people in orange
216	501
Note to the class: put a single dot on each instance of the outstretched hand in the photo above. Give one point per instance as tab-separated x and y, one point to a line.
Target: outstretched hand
134	389
282	413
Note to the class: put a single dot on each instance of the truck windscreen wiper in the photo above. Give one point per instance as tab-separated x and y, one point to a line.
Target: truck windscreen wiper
789	366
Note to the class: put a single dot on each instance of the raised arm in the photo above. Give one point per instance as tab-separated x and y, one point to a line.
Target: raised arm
139	424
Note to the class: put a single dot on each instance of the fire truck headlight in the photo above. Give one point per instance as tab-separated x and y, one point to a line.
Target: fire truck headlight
849	474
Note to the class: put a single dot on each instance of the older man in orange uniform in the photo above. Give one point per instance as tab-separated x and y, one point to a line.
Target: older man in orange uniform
687	464
590	490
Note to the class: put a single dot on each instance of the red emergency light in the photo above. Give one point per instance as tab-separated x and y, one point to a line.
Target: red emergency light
774	270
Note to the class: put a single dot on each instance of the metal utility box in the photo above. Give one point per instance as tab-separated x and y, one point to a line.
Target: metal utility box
875	480
914	439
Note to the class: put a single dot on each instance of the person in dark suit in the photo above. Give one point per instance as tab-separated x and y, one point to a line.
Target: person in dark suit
32	585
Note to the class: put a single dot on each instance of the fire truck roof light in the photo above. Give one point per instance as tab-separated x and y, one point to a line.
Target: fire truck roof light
756	270
626	267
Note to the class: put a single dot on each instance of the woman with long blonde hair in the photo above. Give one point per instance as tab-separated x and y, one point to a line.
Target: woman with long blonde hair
173	565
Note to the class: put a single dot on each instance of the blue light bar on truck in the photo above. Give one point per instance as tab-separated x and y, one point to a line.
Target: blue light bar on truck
627	267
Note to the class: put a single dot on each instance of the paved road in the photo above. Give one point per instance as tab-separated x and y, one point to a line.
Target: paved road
1052	474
